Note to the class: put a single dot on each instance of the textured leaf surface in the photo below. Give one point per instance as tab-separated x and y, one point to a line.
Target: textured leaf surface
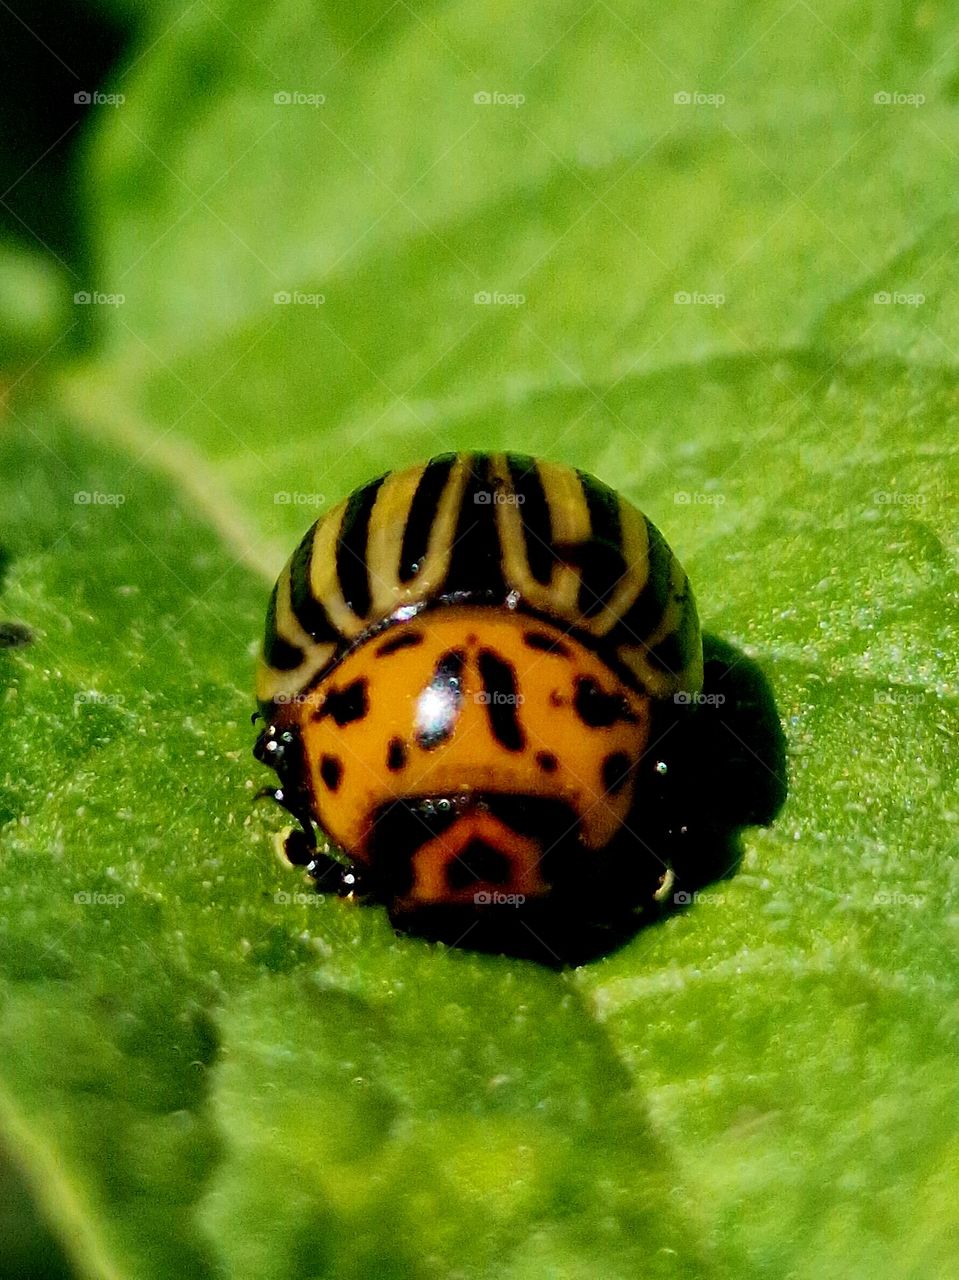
202	1079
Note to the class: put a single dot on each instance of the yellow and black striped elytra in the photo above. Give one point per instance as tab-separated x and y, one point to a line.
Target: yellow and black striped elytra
500	530
468	670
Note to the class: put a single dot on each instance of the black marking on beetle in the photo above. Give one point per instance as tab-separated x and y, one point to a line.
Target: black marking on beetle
556	699
331	771
671	654
645	613
545	643
601	559
282	750
616	772
445	698
299	849
395	755
352	569
475	567
547	761
308	611
422	513
535	516
499	685
598	709
478	862
345	705
398	829
403	640
277	652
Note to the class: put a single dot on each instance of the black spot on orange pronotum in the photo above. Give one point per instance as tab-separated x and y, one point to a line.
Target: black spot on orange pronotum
598	709
438	706
545	643
331	771
502	699
616	772
404	640
395	755
345	705
547	761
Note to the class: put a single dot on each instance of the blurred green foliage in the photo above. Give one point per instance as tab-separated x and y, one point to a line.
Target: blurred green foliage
726	284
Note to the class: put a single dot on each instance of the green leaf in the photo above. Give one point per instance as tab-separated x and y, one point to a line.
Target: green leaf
741	312
31	308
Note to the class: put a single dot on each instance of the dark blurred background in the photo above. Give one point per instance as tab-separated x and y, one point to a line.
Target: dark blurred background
49	53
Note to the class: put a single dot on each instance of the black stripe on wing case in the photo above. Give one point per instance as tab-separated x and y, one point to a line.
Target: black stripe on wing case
307	610
601	559
422	513
277	652
672	653
352	568
533	507
476	567
645	613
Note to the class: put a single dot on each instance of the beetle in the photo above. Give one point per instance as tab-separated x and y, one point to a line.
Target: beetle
470	676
